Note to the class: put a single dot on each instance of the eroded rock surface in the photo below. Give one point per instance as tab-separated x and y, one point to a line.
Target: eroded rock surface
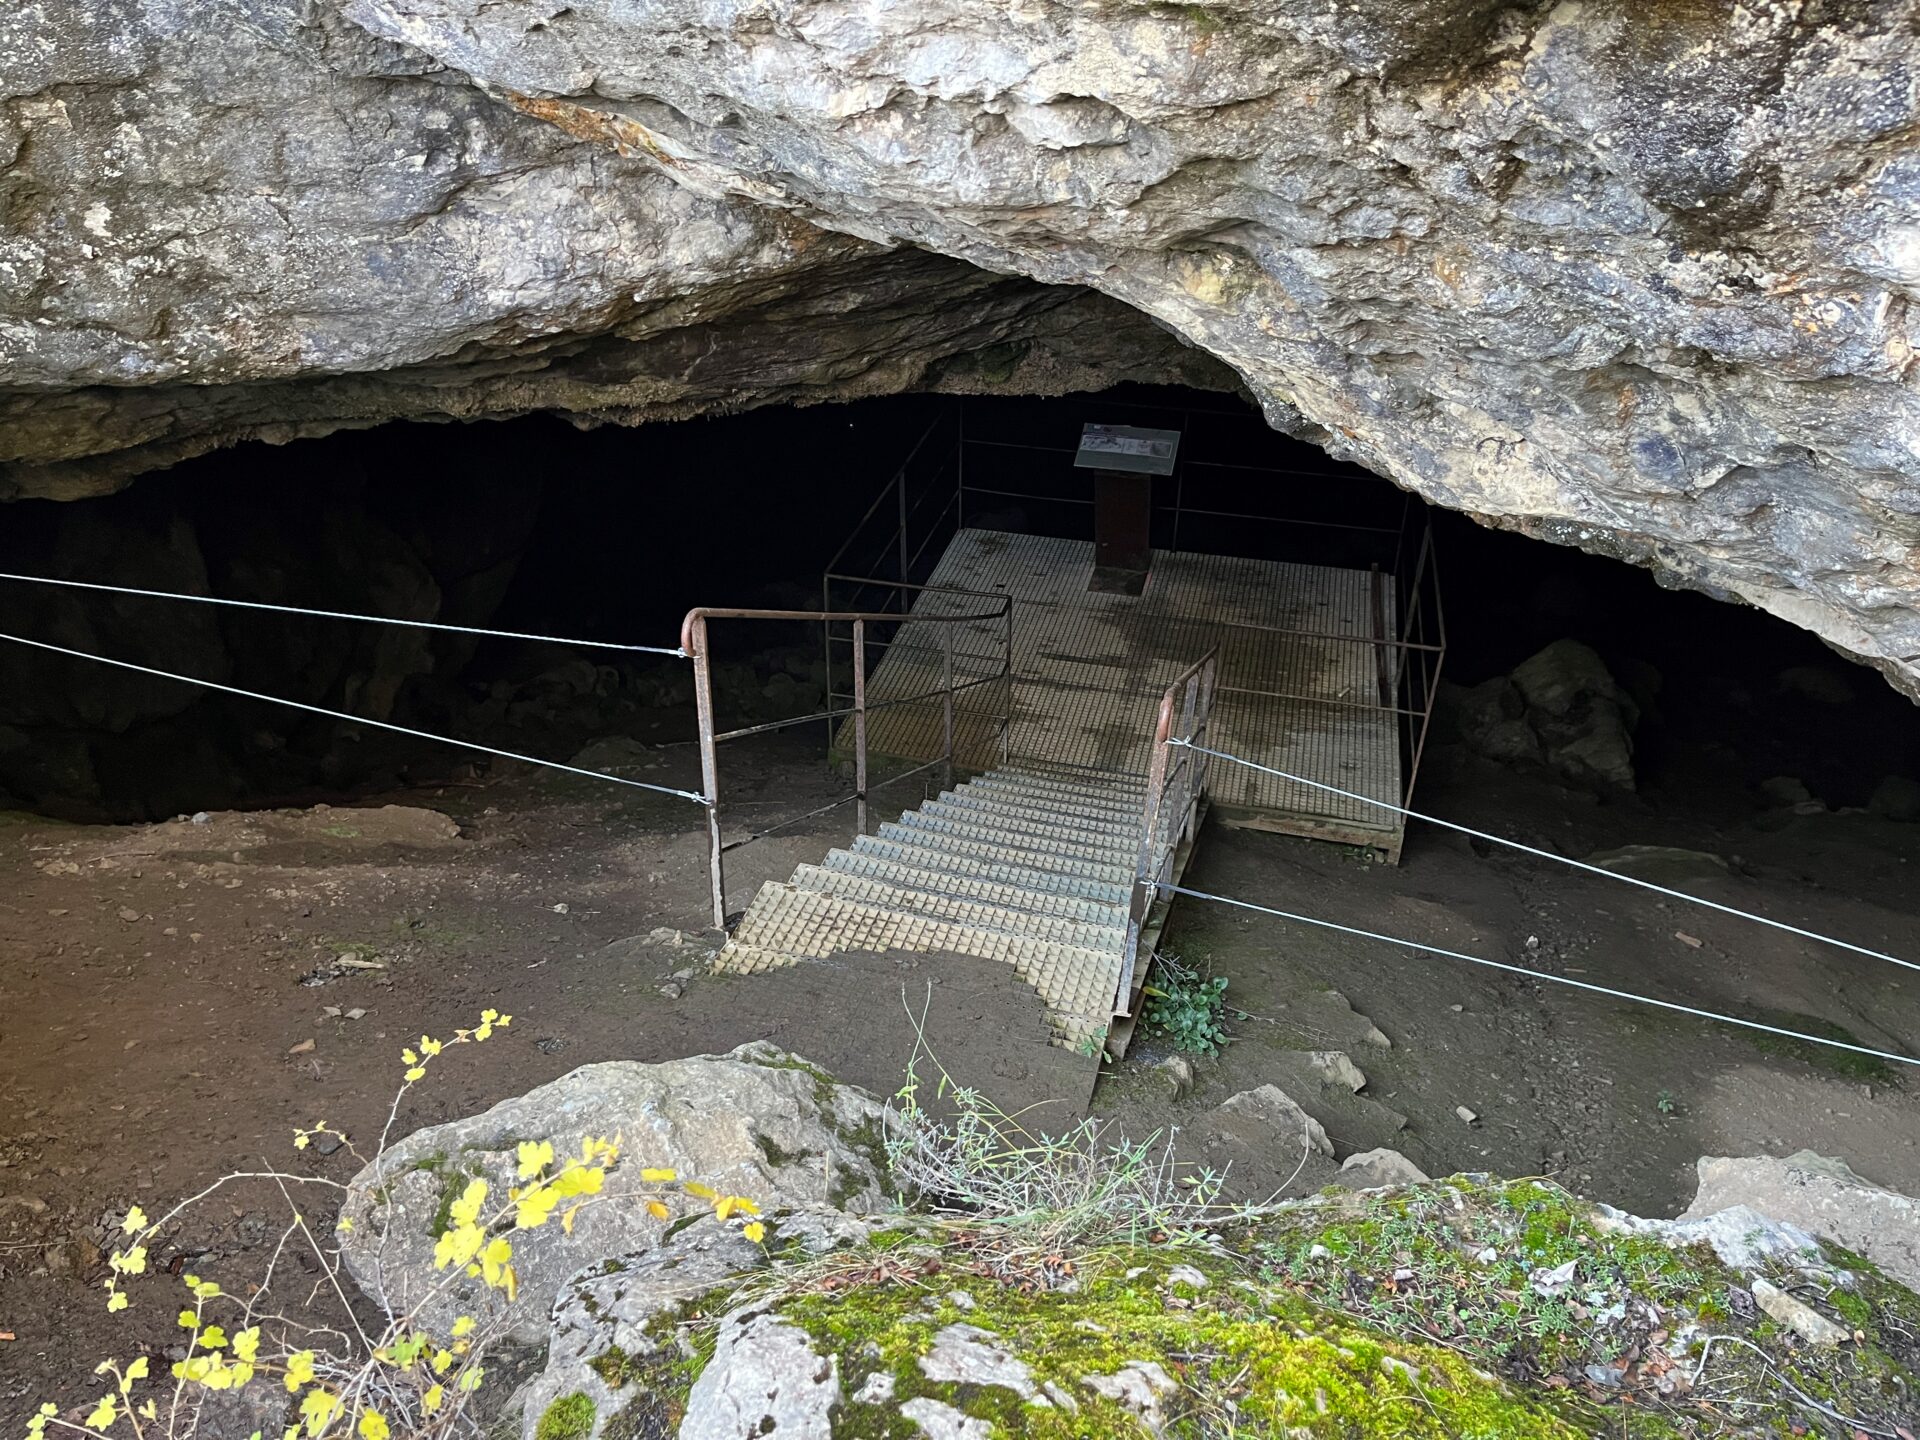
1820	1194
1633	277
754	1122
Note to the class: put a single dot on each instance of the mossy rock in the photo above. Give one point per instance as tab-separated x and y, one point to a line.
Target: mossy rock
1460	1309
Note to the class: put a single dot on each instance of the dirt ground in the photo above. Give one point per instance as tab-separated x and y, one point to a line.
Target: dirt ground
176	998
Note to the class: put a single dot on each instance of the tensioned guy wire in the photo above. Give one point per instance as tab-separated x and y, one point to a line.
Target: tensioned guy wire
697	799
1559	859
1538	974
345	615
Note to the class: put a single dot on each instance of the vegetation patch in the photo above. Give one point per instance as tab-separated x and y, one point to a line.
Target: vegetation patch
1464	1308
1866	1069
1187	1007
570	1417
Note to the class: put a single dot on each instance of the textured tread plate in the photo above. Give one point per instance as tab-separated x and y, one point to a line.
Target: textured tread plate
1091	882
1006	895
1022	841
786	924
979	914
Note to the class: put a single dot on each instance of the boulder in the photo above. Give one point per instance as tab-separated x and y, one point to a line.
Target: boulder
1263	1142
1896	798
1785	790
1820	1195
1582	718
1668	865
1560	707
1562	677
603	1341
1372	1169
755	1122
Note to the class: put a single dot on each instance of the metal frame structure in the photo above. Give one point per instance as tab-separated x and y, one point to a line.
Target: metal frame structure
695	642
1175	805
919	509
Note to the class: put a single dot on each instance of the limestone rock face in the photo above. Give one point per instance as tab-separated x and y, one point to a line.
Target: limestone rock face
1820	1194
1627	276
754	1122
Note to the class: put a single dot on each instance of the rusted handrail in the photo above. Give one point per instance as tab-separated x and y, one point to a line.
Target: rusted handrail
693	640
1175	789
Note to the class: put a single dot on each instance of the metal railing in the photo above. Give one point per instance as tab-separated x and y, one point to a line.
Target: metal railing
694	641
1176	788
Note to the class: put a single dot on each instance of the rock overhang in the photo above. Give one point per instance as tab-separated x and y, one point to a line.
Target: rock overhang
1630	277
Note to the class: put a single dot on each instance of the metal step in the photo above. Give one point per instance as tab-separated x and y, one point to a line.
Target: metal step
935	905
1033	823
786	924
1039	790
1041	893
1047	772
1104	883
1126	809
1064	812
1050	789
1022	841
1114	872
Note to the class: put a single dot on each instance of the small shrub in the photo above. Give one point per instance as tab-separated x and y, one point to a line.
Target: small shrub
347	1380
1083	1185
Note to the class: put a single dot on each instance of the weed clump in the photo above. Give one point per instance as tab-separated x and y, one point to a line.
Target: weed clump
1186	1007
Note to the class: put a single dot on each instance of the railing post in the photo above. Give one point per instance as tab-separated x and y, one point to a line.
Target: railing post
1006	672
900	485
946	707
860	724
709	769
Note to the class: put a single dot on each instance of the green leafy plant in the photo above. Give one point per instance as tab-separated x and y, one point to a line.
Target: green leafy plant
1189	1009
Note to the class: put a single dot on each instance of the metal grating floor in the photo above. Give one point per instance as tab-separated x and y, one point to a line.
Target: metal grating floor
1298	688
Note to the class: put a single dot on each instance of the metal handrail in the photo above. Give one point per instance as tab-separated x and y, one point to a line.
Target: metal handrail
1172	809
693	640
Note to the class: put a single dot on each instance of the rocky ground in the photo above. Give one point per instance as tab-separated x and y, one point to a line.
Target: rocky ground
177	998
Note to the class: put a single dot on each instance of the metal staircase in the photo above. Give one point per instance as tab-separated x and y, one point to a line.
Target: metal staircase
1033	865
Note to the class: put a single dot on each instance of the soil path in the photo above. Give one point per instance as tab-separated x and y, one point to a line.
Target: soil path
175	999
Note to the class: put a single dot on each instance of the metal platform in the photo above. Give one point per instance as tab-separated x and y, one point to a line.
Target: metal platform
1307	676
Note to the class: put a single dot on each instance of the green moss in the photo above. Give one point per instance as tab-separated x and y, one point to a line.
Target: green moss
1284	1365
570	1417
776	1155
867	1139
1844	1063
453	1184
1851	1308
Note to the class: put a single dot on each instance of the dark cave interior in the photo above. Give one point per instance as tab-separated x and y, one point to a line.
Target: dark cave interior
610	533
